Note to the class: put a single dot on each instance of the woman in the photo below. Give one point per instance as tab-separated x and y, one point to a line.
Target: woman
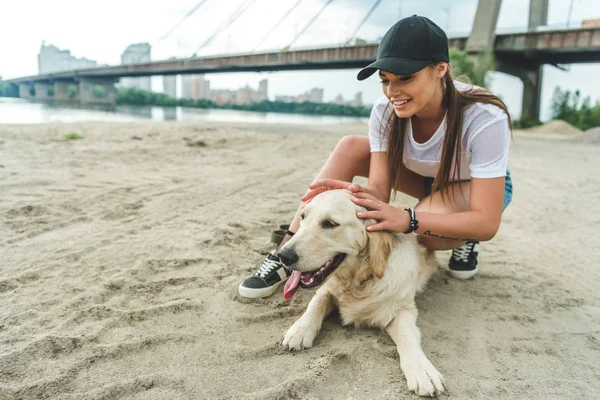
433	138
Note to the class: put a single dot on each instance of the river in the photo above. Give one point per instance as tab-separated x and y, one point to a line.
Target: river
20	111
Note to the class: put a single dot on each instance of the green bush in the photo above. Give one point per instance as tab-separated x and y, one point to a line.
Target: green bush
569	107
475	70
73	136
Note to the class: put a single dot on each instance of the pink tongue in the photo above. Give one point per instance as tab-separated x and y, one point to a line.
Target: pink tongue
291	285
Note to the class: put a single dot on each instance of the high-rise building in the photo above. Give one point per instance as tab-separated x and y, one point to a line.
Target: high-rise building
53	59
186	86
315	95
338	99
136	54
223	96
357	102
170	85
263	87
199	87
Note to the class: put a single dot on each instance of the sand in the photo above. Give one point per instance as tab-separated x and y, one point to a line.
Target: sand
556	126
590	136
122	252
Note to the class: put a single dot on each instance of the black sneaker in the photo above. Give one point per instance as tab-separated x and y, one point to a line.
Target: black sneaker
266	279
463	263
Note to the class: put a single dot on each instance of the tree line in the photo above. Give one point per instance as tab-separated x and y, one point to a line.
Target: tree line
143	97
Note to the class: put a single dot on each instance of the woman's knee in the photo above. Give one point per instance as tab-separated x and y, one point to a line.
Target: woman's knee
354	151
353	145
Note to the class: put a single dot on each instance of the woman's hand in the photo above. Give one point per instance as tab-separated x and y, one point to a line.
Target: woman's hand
389	218
323	185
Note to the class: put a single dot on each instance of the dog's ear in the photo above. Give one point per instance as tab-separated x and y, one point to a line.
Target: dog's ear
376	253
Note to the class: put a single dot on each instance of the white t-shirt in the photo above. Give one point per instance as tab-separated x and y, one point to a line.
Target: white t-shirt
485	141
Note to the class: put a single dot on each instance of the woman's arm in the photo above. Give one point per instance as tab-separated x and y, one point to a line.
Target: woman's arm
379	184
480	222
480	219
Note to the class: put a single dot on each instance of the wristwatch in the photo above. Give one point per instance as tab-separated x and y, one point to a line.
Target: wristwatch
414	223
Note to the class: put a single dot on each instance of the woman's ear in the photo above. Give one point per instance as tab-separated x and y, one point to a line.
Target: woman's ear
441	69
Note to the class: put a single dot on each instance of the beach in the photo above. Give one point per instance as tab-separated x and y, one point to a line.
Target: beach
122	253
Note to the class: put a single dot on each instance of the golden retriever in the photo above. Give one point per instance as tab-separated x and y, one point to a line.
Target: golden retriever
372	278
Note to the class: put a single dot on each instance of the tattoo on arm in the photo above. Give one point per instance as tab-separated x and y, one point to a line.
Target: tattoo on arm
429	233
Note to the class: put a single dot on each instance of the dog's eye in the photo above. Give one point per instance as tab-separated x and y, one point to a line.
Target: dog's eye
302	216
328	224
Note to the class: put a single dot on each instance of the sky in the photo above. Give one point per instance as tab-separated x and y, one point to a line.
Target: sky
102	30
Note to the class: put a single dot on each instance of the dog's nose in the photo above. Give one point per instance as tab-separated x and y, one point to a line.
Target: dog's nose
288	256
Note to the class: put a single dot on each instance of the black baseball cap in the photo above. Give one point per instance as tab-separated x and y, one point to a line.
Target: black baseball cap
409	46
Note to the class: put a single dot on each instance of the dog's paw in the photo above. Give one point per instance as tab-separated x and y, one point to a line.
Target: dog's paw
300	335
422	377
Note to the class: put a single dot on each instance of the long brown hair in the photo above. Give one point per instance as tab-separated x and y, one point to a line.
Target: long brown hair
455	102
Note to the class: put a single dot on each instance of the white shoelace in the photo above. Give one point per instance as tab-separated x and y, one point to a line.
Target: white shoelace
267	267
462	253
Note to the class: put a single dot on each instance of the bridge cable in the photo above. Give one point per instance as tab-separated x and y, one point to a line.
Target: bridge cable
226	24
277	25
362	22
308	25
189	14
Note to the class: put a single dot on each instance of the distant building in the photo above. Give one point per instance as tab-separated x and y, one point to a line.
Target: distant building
186	86
338	99
196	87
136	54
247	95
223	96
315	95
199	88
53	59
285	99
263	87
356	102
170	85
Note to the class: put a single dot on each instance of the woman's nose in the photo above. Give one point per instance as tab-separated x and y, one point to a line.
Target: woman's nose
393	90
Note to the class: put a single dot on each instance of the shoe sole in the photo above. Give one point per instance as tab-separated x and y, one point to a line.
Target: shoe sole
464	275
254	293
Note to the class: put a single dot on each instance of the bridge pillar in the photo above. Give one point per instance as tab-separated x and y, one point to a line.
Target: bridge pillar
483	32
97	91
531	76
25	90
66	92
530	73
538	13
44	91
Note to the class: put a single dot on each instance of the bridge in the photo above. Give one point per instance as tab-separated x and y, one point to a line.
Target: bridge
519	54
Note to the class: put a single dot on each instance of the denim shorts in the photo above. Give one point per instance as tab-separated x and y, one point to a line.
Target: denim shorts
508	188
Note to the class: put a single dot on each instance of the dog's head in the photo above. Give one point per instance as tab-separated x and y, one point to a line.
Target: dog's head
330	233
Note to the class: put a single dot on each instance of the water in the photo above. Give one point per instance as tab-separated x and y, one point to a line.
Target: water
20	111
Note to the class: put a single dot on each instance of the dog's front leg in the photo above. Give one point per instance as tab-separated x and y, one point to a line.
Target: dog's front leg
421	376
303	332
